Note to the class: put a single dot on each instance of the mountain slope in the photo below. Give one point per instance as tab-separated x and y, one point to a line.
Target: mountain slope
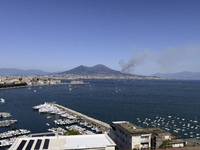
14	71
97	69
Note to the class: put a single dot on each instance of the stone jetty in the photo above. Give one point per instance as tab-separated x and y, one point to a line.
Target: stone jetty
104	127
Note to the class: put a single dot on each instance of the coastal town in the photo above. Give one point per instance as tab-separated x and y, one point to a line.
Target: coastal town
55	79
28	80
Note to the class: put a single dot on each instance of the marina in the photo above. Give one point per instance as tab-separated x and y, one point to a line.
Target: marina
73	117
9	141
4	114
7	123
14	133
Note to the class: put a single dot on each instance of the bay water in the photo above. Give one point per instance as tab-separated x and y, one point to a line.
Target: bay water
142	99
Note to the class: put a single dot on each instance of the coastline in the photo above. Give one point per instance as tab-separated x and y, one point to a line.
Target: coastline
14	87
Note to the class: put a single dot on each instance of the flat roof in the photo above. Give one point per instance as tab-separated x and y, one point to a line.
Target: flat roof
88	141
64	142
158	131
130	128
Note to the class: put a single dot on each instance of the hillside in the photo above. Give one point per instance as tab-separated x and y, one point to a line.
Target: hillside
97	69
14	71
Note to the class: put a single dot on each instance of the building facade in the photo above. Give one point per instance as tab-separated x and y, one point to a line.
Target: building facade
129	136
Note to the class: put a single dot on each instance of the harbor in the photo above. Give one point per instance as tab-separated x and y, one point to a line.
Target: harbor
134	100
73	117
104	127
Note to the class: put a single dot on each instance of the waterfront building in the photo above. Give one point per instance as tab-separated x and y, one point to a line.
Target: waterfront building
58	142
159	136
128	136
40	82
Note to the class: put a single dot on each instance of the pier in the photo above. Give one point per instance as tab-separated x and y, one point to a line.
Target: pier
7	123
104	127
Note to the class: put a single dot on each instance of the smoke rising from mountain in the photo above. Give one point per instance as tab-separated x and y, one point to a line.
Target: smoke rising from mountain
169	60
133	62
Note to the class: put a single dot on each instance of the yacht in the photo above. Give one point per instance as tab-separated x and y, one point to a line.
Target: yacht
2	100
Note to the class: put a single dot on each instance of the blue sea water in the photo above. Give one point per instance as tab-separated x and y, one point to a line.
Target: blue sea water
134	99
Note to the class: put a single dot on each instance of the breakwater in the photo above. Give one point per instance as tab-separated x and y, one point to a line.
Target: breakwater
104	127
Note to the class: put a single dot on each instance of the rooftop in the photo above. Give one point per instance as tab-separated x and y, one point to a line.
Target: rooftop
158	131
130	128
64	142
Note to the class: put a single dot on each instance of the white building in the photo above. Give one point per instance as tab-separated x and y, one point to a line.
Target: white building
78	142
128	136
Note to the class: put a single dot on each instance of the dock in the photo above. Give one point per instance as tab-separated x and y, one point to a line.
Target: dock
104	127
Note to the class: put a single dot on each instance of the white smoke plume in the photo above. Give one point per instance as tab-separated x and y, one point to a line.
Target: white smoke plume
133	62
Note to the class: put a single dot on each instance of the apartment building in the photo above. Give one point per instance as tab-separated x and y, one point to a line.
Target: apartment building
128	136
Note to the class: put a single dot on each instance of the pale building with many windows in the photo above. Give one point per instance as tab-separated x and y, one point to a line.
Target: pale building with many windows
128	136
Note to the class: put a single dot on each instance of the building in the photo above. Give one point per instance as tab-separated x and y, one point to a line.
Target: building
159	136
59	142
128	136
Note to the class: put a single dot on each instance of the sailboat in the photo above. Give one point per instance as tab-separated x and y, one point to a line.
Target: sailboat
90	88
116	88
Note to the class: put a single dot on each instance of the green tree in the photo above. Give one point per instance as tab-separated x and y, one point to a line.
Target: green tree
166	145
72	132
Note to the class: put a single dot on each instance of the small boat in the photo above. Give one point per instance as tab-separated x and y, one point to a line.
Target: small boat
48	117
2	100
34	90
47	124
195	121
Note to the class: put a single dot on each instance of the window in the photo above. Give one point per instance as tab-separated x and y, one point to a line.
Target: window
144	137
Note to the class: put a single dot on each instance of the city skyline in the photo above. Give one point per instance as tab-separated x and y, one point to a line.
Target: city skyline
137	37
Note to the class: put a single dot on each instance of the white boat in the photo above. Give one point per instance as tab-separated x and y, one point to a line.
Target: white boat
47	124
34	90
195	121
2	100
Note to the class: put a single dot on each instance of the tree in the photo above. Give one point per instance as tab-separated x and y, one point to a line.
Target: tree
72	132
166	144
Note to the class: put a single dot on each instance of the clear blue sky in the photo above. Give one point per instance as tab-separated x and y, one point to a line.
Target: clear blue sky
139	36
